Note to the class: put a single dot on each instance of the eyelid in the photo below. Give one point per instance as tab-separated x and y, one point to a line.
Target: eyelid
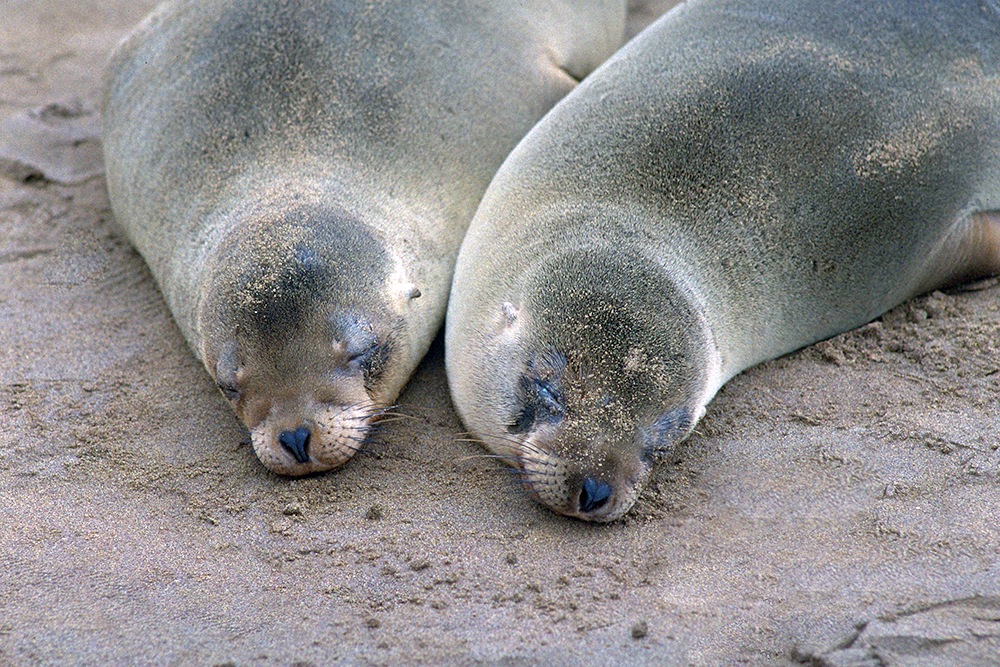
540	400
364	354
228	390
549	397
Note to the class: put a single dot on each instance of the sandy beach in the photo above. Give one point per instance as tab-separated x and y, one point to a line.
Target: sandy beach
838	506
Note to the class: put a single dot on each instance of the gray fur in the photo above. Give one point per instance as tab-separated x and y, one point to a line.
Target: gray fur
742	179
299	176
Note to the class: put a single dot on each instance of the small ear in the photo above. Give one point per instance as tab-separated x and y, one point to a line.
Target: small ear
510	313
411	291
663	434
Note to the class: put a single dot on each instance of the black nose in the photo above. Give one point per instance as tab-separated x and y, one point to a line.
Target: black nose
296	442
594	494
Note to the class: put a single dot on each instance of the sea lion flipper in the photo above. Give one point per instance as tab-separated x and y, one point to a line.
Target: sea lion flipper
973	253
573	52
983	242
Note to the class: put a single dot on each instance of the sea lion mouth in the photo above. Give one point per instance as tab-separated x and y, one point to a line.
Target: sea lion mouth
327	439
597	493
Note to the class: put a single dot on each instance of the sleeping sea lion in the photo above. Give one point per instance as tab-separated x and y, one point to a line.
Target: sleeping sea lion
299	176
744	178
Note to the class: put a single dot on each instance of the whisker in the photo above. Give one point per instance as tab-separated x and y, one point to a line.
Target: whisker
499	457
389	420
383	409
533	477
517	442
524	462
393	416
370	447
419	411
539	464
531	448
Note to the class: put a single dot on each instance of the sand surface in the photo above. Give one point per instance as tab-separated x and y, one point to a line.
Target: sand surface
836	507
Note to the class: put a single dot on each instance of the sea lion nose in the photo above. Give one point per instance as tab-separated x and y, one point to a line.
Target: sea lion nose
594	494
296	442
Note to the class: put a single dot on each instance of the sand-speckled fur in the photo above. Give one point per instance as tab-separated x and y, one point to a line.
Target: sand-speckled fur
744	178
299	176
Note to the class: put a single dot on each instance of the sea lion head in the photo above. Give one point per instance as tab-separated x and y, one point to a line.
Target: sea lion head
599	366
302	321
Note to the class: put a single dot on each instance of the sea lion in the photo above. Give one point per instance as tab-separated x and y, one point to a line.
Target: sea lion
299	176
742	179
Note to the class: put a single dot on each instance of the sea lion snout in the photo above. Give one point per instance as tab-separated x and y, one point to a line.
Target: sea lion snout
310	403
302	438
598	482
309	398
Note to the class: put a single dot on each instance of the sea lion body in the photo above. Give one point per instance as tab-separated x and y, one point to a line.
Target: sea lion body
299	176
742	179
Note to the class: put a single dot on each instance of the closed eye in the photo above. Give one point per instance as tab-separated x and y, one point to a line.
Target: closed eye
365	355
228	390
548	397
540	401
371	361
